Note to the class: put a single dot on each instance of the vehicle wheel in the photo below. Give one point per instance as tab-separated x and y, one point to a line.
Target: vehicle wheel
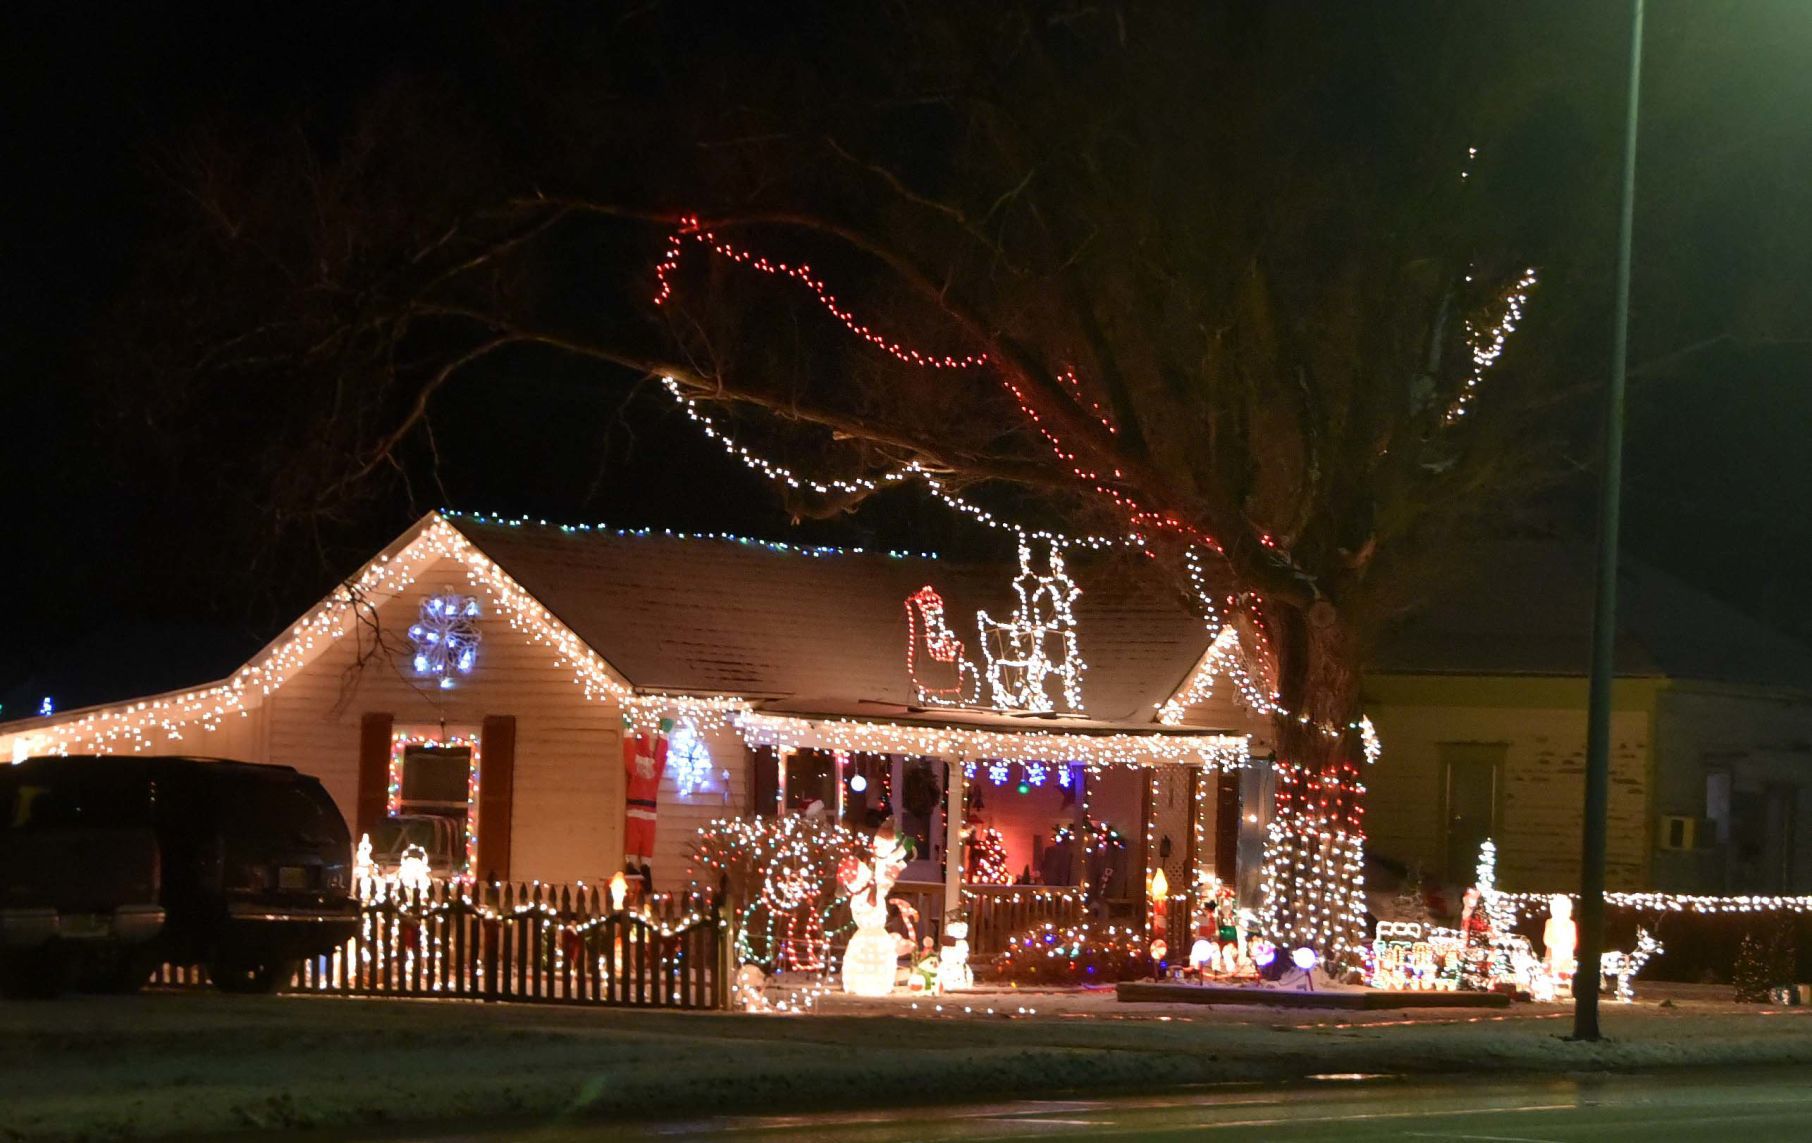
251	976
33	974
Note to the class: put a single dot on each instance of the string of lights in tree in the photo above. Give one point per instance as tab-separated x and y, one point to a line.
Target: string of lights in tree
1140	518
1313	873
912	470
1487	346
1486	343
690	230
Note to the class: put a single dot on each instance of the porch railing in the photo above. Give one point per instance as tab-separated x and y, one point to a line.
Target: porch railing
521	942
995	912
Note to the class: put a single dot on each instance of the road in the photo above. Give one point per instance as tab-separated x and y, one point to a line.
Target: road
1755	1105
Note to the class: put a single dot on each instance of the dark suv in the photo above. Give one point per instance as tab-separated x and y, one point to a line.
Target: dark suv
112	865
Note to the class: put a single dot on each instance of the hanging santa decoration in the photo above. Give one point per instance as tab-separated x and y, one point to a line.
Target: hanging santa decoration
644	761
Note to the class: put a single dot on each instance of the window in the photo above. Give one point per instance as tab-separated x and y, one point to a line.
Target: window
1717	805
435	780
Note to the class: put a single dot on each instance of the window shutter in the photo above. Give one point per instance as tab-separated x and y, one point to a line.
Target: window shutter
765	783
374	774
496	795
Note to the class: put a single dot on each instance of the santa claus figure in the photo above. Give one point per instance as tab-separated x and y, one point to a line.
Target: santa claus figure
644	761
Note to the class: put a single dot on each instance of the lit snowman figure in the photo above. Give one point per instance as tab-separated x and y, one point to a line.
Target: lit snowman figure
412	869
953	971
870	962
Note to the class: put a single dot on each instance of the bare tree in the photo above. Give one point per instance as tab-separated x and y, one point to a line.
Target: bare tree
1233	280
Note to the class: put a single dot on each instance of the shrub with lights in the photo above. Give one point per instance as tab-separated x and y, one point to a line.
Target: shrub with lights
1088	953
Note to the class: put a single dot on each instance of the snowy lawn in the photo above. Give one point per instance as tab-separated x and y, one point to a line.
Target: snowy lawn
183	1064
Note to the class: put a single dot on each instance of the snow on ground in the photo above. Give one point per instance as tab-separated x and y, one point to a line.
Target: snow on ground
182	1064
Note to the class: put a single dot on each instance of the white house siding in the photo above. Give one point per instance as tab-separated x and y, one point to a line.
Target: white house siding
1763	738
568	788
680	817
1542	725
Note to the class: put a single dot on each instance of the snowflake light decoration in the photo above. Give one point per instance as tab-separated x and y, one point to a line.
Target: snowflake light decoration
446	637
689	760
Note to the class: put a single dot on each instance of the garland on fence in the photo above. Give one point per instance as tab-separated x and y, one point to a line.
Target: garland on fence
397	919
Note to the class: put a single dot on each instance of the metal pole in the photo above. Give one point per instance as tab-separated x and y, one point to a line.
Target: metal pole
1604	616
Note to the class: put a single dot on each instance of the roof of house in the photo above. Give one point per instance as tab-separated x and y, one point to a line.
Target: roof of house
1525	607
815	631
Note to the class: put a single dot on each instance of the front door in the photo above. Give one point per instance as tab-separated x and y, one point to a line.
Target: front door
1471	772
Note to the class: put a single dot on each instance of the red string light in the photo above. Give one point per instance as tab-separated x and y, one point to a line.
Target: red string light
1140	518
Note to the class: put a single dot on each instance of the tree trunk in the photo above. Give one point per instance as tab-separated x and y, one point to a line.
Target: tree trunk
1315	846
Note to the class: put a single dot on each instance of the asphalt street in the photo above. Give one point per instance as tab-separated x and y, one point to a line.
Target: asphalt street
1702	1104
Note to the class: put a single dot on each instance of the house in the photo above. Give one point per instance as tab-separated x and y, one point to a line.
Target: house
1481	702
478	675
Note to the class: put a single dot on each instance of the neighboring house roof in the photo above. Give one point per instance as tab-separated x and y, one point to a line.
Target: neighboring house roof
1525	608
819	633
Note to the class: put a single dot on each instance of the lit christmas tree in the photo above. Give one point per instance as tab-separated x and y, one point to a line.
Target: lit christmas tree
988	857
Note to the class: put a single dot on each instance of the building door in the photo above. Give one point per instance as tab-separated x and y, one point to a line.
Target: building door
1471	776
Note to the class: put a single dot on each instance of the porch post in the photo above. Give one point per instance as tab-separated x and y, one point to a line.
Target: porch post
953	835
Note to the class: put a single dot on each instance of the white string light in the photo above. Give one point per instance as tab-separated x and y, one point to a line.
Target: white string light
1487	344
1019	651
862	486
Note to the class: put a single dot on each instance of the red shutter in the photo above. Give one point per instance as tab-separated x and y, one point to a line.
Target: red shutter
374	774
496	795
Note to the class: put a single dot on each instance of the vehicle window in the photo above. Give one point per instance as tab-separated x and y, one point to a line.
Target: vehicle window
282	811
104	800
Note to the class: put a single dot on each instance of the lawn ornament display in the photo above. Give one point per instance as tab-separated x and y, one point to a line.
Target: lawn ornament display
751	989
1559	939
644	761
1037	642
941	675
1620	968
870	962
953	972
413	871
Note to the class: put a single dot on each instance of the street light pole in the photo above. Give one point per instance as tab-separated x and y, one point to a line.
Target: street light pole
1604	615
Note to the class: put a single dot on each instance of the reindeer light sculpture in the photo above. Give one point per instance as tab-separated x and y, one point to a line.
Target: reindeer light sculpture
1039	640
1620	968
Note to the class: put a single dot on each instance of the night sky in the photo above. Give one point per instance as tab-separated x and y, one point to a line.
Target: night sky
112	590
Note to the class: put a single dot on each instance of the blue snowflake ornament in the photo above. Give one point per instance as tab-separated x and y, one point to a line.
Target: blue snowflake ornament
446	637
